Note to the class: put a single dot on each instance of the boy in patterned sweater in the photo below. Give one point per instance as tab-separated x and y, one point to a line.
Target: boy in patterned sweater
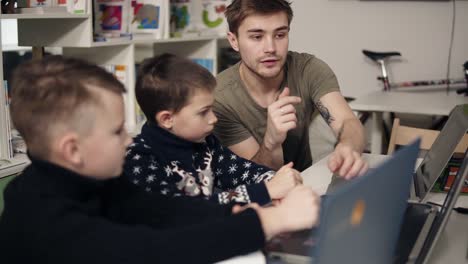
176	154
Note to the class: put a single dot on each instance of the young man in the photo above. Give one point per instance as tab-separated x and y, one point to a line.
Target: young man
71	206
265	102
176	154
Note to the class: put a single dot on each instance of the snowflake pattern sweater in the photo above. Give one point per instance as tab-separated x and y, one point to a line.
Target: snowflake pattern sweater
159	161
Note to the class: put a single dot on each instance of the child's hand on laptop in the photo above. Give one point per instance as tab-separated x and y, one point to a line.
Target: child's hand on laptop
285	179
298	210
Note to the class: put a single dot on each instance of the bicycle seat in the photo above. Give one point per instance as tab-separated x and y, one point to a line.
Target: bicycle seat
379	55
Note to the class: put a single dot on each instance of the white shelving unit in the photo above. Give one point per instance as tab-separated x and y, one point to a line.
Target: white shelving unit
19	162
74	33
3	121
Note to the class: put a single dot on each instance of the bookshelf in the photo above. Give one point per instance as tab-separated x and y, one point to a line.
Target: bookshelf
74	34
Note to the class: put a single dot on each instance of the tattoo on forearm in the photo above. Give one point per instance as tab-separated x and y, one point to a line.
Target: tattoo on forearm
324	112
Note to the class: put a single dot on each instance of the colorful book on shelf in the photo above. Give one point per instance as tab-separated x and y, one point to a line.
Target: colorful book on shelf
79	6
111	16
451	173
35	3
68	4
119	71
446	179
112	37
206	63
205	18
150	17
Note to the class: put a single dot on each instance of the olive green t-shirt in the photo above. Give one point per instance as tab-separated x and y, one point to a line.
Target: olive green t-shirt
240	117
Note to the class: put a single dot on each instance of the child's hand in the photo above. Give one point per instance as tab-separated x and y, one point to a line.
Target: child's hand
284	180
300	208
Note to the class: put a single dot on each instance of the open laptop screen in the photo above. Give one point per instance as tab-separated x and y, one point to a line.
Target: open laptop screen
441	220
441	151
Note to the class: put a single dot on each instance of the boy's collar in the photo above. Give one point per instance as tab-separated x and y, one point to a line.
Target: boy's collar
67	180
161	136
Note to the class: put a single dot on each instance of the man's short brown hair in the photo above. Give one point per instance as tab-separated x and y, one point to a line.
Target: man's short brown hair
167	82
239	10
53	93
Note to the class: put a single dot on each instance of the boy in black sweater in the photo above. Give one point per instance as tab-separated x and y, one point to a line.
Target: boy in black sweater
71	206
176	154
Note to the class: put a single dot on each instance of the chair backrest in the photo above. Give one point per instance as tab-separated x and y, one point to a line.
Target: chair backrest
403	135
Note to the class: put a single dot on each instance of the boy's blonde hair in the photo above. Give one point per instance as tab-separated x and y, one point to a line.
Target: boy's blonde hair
167	82
56	93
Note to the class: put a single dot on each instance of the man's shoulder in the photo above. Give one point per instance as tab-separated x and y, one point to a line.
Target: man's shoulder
227	79
300	55
301	59
304	64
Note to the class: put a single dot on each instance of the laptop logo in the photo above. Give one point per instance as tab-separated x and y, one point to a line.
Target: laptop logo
358	212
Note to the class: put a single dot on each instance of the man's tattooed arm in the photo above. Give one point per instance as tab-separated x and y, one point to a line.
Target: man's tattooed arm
324	112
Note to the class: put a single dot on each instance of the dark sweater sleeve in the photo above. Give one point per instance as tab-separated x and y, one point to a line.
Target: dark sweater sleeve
50	230
240	180
81	238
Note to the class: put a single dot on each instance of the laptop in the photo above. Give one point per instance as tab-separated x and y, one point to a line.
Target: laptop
422	222
360	221
441	151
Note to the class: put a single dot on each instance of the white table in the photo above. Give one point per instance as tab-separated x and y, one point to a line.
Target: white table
409	102
451	247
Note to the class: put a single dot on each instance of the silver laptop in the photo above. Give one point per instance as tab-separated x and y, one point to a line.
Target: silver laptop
360	221
423	223
441	151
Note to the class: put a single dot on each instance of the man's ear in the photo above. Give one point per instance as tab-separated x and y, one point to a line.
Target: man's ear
165	119
232	38
68	147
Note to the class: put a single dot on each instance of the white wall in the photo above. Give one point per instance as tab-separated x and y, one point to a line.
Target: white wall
337	30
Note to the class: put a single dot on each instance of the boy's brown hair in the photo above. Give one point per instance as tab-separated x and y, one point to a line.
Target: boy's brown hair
56	93
239	10
167	82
